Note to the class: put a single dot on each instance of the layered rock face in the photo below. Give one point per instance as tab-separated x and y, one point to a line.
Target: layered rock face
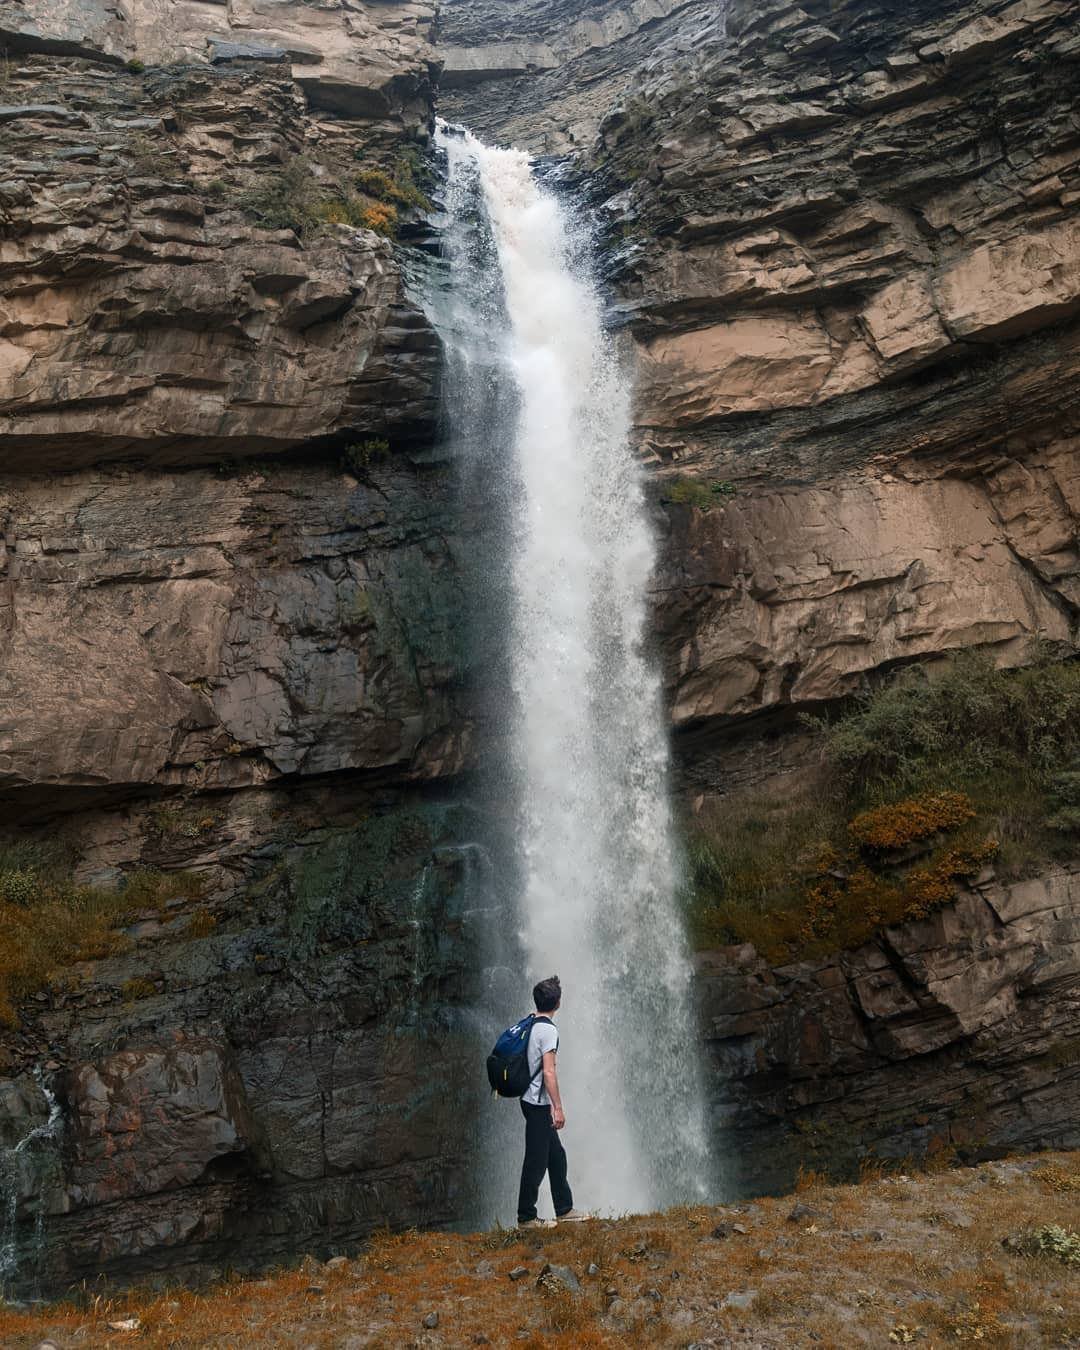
956	1035
234	1084
144	314
853	298
544	76
362	59
232	599
208	631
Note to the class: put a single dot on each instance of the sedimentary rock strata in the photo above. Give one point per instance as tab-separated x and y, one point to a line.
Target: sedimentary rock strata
215	630
959	1033
145	313
844	241
232	565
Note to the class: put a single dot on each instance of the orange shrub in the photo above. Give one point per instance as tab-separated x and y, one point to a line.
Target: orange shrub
930	887
841	914
906	822
379	217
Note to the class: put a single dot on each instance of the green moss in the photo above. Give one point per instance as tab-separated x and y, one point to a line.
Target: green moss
133	990
355	882
356	614
359	456
702	496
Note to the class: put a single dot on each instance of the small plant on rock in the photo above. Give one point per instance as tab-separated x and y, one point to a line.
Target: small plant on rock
1050	1240
701	496
288	200
48	921
133	990
359	456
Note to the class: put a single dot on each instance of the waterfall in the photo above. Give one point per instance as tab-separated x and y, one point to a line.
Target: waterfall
23	1174
586	733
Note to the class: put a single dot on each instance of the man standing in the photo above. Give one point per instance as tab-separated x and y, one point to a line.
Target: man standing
542	1108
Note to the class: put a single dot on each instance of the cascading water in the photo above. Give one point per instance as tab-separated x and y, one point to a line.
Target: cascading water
586	735
24	1171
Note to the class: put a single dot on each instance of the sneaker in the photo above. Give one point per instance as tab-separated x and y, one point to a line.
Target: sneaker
538	1223
573	1216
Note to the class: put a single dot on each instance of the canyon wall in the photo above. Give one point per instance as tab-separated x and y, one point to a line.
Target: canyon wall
233	606
841	244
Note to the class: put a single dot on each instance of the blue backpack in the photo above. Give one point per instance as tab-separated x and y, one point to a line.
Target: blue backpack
508	1064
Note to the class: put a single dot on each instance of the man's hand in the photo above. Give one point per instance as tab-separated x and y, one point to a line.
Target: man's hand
558	1117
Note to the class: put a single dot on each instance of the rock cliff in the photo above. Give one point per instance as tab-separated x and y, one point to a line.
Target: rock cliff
957	1035
236	590
233	606
844	238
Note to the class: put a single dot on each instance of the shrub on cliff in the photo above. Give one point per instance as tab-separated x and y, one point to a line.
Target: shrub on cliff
286	200
294	199
892	827
964	721
922	781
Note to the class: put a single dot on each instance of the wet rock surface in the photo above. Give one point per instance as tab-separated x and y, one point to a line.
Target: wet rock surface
233	617
545	76
245	1103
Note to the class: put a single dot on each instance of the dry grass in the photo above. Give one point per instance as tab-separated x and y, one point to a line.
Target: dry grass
47	922
913	1259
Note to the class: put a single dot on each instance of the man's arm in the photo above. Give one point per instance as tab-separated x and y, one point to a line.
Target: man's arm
551	1082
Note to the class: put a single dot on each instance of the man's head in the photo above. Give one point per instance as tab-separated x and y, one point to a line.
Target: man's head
547	995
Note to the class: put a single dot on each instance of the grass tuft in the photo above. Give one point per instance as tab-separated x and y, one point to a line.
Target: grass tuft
47	921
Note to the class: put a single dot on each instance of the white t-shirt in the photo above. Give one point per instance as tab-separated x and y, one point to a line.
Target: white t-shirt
542	1038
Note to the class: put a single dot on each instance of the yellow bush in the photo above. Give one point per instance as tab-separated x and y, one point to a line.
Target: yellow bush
906	822
934	885
379	217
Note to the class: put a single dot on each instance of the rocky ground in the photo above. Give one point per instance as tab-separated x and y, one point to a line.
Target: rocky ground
926	1259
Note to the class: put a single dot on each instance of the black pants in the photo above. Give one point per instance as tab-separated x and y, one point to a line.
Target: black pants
543	1153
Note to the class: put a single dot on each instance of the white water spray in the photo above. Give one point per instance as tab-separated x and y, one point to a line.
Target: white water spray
599	875
20	1174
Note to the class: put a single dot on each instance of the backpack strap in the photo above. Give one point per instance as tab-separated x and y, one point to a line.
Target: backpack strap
538	1017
